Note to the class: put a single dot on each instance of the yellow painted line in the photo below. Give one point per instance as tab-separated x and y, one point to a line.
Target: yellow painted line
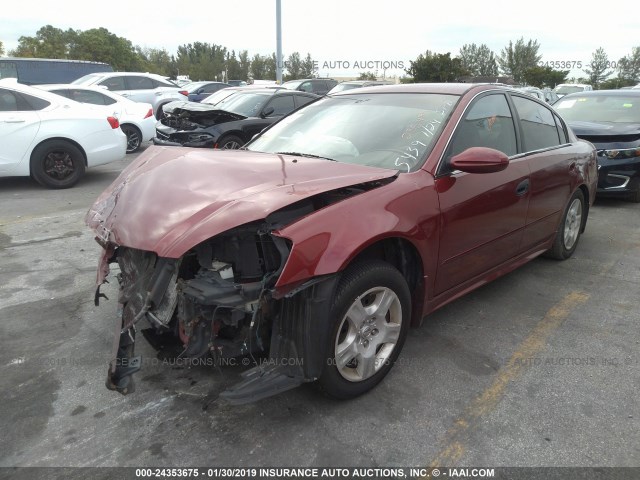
490	397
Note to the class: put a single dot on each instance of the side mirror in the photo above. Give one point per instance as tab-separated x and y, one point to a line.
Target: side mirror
267	111
480	160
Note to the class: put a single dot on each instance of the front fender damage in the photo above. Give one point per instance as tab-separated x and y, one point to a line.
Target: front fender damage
219	300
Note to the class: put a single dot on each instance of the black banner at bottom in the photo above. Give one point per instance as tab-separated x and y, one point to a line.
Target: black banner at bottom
331	473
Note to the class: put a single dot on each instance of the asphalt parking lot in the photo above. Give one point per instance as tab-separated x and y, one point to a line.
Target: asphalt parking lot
539	368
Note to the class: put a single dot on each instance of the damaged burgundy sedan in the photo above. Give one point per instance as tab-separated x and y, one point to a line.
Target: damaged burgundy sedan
337	229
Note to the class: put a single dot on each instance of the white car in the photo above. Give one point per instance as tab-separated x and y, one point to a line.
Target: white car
567	88
136	119
51	138
139	87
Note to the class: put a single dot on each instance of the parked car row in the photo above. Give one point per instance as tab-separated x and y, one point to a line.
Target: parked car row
230	116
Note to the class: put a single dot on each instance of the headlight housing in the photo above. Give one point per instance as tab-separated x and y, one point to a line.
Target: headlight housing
620	153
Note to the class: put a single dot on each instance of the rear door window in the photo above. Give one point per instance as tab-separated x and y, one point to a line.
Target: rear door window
539	130
140	83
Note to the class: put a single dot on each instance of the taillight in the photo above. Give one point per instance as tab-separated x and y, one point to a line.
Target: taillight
113	121
184	92
149	113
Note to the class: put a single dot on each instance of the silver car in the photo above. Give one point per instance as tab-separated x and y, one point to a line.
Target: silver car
139	87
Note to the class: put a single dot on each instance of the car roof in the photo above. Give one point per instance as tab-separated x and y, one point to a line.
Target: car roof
92	88
206	82
604	93
36	92
307	79
116	74
274	91
442	88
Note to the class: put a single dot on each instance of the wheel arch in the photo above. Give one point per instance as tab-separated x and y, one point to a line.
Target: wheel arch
405	257
60	139
586	206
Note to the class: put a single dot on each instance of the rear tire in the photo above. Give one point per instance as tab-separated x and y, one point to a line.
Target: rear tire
568	234
57	164
369	321
134	137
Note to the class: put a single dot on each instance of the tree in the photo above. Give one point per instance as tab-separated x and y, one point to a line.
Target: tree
629	67
201	61
309	68
157	61
263	67
49	42
232	66
367	76
599	69
243	63
100	45
479	61
544	76
515	59
270	64
293	65
1	49
435	67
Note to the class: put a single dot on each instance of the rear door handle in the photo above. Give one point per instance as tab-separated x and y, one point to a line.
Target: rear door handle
522	187
14	120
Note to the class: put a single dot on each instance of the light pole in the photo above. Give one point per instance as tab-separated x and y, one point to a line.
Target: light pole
278	43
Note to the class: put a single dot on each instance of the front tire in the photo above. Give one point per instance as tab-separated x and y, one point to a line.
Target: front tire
568	234
230	142
57	164
369	322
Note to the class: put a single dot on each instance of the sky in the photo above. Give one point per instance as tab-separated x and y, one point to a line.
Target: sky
338	34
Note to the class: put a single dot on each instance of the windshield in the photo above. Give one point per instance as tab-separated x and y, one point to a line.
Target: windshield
394	131
600	108
292	85
220	95
566	90
345	86
87	79
192	87
245	104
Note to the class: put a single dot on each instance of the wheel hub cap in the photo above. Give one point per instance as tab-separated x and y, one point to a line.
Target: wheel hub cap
368	334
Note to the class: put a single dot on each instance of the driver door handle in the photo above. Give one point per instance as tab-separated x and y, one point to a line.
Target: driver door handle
522	187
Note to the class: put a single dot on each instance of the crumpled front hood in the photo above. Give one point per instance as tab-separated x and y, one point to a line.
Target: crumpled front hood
188	115
172	198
